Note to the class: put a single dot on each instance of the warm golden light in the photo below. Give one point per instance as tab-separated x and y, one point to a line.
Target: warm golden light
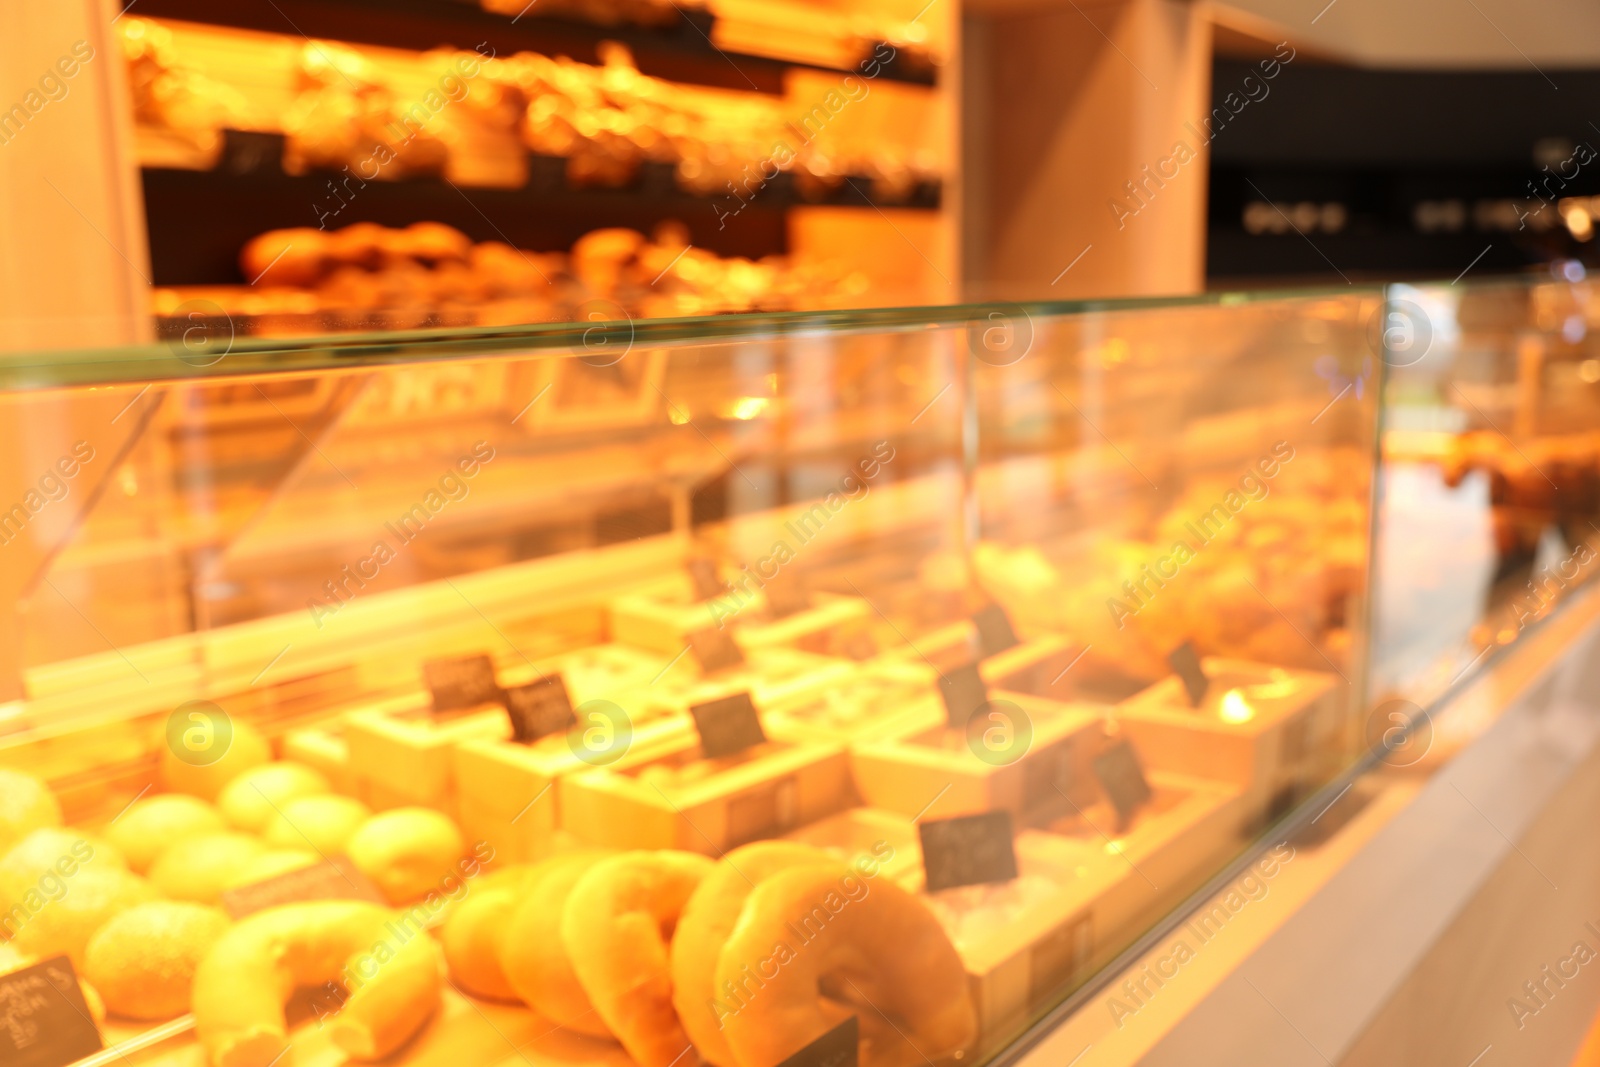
1579	223
1235	708
748	407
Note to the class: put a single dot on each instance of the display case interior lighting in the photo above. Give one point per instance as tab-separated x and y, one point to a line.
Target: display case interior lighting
1579	222
1235	708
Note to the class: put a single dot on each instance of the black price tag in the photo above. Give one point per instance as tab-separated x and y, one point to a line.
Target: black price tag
727	726
836	1048
1186	664
539	709
335	879
964	693
786	595
969	850
715	649
1120	775
461	683
44	1021
995	634
708	584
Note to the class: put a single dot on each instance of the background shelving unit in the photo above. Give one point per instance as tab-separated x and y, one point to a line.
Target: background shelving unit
202	206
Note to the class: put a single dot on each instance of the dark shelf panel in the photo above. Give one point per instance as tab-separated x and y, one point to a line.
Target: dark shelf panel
680	53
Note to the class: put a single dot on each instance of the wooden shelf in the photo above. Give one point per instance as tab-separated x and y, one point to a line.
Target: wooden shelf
681	53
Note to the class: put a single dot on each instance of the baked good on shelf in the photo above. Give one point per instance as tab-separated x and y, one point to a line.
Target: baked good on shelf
616	928
367	276
703	928
477	928
295	257
92	897
533	955
430	243
321	823
143	960
392	971
26	805
817	944
199	868
250	801
152	825
246	748
37	869
407	852
168	94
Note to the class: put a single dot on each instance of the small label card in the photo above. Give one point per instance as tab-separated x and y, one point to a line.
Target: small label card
1186	664
995	634
44	1021
836	1048
969	850
1120	775
715	649
786	595
460	683
964	692
539	709
727	726
708	584
335	879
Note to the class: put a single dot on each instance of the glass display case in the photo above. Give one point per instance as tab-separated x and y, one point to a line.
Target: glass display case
764	689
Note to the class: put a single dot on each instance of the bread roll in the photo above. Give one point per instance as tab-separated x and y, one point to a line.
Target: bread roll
472	935
200	868
407	852
38	868
246	749
91	898
813	944
616	928
26	805
532	955
394	974
143	960
254	798
150	826
321	823
703	930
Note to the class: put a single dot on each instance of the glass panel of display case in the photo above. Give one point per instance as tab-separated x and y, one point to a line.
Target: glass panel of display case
1033	617
1491	482
1171	510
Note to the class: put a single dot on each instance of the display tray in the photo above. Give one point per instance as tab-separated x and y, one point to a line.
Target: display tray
1023	752
508	791
1273	732
665	615
879	700
400	750
1079	877
680	799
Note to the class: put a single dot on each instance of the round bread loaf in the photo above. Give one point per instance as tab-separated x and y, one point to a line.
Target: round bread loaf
151	826
143	960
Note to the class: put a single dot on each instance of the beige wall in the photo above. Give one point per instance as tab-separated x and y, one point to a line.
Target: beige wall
1509	34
